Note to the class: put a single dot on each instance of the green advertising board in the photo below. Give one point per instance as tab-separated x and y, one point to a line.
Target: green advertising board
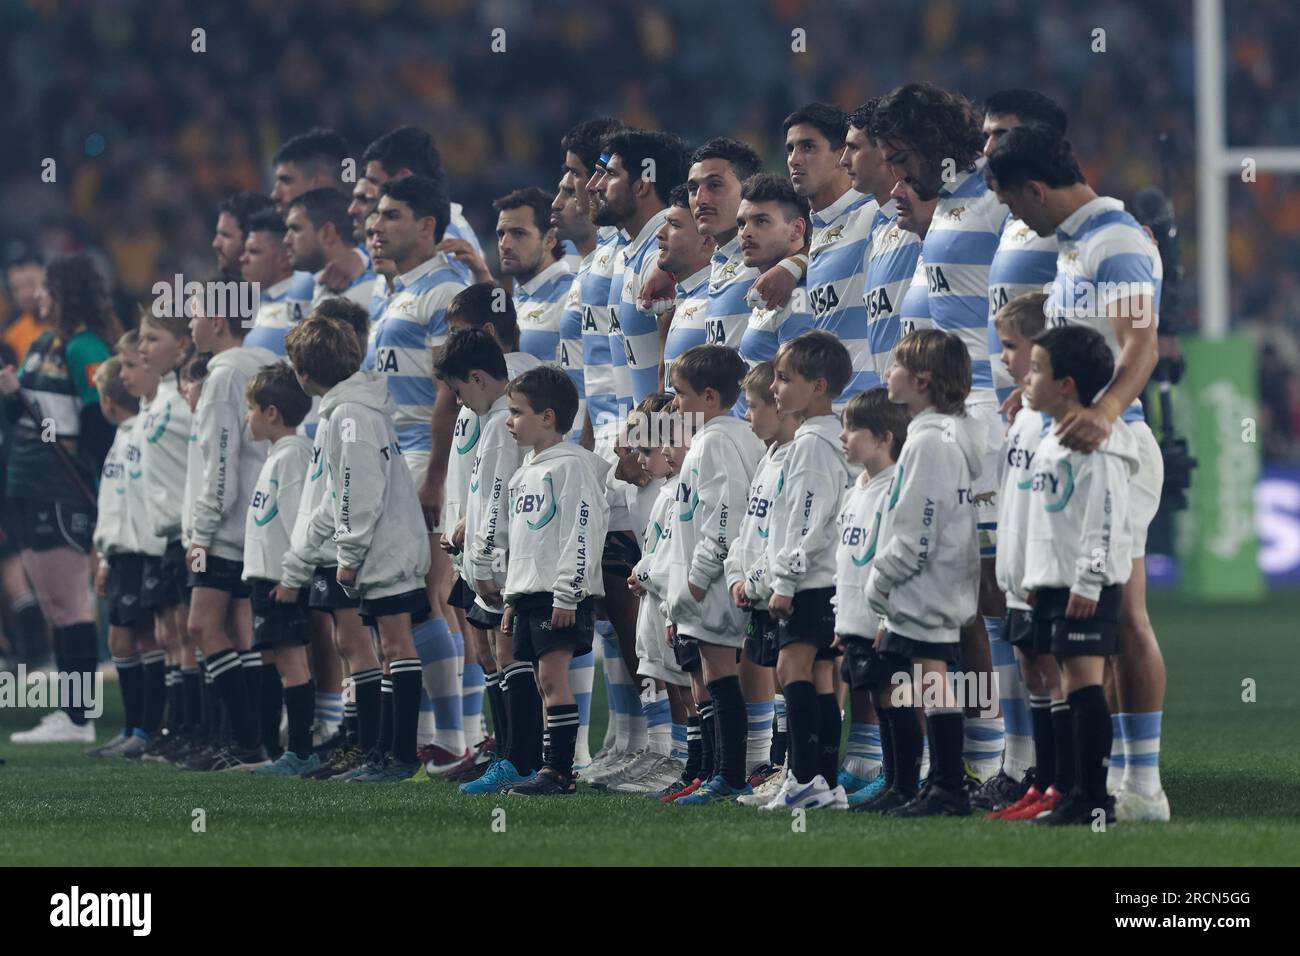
1218	411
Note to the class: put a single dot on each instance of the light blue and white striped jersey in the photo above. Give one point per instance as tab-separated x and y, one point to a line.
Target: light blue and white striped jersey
539	307
837	268
598	367
459	228
958	251
1025	262
410	324
914	313
280	308
686	330
571	359
769	329
891	263
729	282
633	334
361	291
1103	257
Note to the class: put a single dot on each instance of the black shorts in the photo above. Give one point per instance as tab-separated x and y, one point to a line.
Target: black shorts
176	588
326	593
1018	628
153	584
531	632
621	554
811	621
414	603
8	542
221	574
125	584
275	624
864	668
1097	636
45	525
462	595
482	618
911	650
761	639
686	651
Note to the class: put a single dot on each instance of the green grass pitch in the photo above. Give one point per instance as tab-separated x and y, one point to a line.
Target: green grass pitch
1230	769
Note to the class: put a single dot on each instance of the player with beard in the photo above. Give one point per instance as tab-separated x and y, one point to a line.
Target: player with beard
528	251
914	217
311	160
931	138
284	295
233	215
684	251
319	234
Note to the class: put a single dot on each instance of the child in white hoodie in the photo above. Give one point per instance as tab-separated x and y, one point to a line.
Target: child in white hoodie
374	517
811	372
712	493
277	405
222	469
553	537
926	576
1079	552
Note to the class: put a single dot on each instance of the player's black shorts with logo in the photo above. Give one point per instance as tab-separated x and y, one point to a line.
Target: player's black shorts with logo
911	650
761	639
44	525
1095	636
276	624
811	621
125	585
414	602
221	574
175	586
1018	628
153	594
531	632
865	668
326	592
686	652
462	595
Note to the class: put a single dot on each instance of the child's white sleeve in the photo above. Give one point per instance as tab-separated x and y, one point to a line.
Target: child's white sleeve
814	497
288	496
916	520
220	432
362	480
582	544
720	488
1100	475
297	569
495	469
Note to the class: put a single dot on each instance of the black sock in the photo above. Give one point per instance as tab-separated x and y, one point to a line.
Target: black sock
33	648
301	703
212	719
232	686
525	706
384	739
708	741
1092	740
189	697
733	727
1040	714
887	766
350	722
152	689
251	662
497	709
906	734
829	744
130	681
77	653
945	748
1063	735
272	704
562	726
366	687
406	676
174	716
804	723
694	749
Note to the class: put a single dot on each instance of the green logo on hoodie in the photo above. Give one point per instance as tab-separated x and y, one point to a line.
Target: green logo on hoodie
545	519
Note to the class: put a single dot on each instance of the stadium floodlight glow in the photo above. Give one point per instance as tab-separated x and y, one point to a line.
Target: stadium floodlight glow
1215	162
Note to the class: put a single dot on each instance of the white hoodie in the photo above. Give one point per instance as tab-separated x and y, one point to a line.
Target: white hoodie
926	576
712	494
1078	533
747	557
556	529
274	506
137	492
498	458
1019	453
801	539
372	510
166	425
224	466
652	570
112	533
310	548
862	531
